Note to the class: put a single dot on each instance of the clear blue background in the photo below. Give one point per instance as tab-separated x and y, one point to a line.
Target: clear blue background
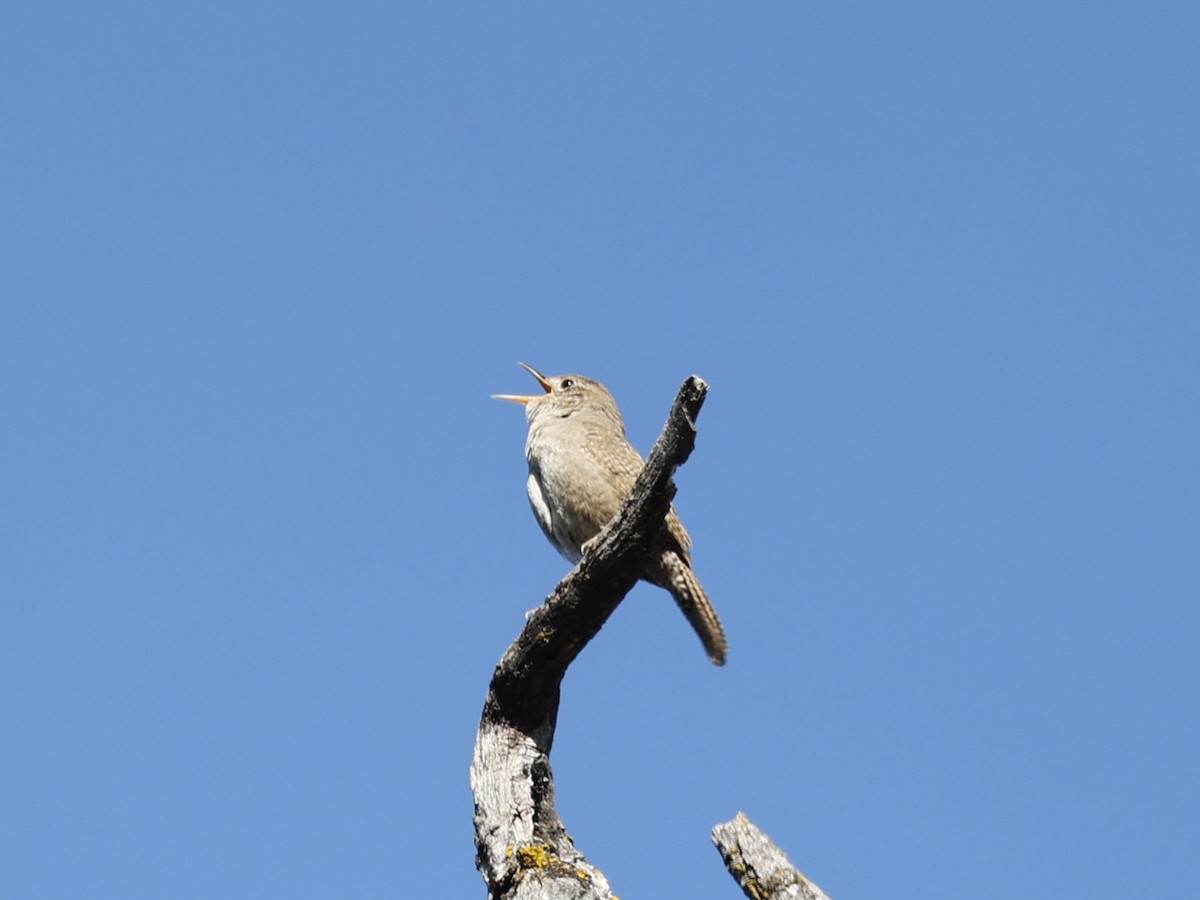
265	534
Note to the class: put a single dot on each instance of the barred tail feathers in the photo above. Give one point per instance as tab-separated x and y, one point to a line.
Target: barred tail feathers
673	573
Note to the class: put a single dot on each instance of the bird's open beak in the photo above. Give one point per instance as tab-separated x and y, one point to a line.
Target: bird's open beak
521	398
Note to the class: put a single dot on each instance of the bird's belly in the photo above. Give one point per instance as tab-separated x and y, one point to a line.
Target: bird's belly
553	523
570	504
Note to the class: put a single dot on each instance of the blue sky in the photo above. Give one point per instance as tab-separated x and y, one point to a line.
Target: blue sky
265	533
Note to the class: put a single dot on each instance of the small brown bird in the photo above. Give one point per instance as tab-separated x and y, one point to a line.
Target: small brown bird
581	469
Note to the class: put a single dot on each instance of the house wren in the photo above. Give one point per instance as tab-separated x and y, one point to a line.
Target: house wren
581	469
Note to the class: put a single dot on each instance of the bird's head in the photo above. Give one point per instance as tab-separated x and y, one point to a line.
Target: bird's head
563	396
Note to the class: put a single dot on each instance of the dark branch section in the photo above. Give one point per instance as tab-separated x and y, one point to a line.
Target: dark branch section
523	849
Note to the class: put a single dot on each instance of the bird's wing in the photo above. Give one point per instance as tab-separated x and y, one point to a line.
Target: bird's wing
679	536
622	463
619	462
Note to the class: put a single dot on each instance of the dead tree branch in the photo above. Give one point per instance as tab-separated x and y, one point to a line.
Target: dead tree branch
523	849
760	868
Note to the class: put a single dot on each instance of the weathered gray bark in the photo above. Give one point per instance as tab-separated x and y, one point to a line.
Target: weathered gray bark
523	849
759	867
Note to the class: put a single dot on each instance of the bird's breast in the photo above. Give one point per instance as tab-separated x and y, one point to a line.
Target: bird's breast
572	495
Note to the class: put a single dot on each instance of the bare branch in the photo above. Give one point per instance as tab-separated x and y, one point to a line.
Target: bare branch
760	868
523	849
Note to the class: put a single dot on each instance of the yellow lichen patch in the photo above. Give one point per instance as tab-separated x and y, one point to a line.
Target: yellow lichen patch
535	856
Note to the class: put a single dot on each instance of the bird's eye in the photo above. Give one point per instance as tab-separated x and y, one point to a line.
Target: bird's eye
567	383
